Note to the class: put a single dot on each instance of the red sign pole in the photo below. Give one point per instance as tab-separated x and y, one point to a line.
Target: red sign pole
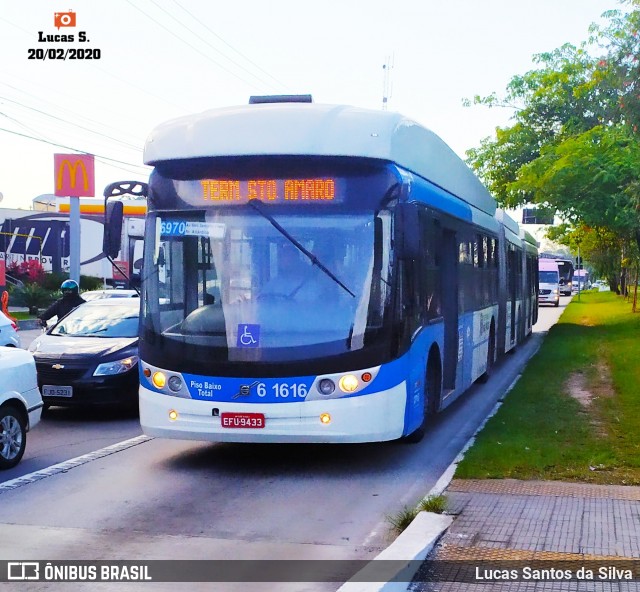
74	177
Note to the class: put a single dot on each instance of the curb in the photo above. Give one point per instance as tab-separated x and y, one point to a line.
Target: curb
418	539
410	548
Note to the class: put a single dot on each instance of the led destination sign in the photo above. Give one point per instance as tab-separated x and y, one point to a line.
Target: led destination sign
267	190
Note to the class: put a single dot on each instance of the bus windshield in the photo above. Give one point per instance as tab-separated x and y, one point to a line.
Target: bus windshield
290	285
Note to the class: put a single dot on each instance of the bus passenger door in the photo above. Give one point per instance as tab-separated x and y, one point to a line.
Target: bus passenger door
512	263
449	299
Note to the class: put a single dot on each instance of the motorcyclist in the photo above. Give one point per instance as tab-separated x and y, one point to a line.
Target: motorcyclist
63	306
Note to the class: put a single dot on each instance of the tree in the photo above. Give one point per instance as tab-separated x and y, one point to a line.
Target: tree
621	39
573	147
589	178
601	247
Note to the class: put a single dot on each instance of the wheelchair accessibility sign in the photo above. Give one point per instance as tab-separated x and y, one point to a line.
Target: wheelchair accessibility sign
248	336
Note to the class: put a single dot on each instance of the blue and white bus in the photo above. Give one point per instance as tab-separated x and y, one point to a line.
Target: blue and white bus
314	273
518	265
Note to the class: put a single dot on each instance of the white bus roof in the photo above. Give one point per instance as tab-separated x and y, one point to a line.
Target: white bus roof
512	230
311	129
545	264
528	240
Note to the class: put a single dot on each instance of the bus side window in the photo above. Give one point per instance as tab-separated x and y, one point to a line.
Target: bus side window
431	289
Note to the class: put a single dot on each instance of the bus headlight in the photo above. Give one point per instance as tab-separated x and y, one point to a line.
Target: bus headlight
116	367
159	379
348	383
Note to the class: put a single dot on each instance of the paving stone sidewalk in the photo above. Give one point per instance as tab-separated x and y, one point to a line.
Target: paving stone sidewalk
513	525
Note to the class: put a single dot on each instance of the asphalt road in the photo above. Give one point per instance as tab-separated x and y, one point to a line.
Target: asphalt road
160	499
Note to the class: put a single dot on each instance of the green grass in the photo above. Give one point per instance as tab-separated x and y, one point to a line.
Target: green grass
433	503
543	432
21	316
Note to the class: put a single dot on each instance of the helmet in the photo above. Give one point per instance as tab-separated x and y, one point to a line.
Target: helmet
70	287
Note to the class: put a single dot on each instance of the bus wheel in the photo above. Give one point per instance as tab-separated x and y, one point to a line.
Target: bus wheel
491	355
432	392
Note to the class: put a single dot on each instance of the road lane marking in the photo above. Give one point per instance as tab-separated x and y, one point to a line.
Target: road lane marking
72	463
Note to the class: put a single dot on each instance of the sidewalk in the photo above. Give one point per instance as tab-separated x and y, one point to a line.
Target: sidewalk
519	525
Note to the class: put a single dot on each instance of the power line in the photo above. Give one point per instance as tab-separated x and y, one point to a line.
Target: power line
228	45
191	46
76	114
2	129
95	65
42	138
209	44
72	123
22	125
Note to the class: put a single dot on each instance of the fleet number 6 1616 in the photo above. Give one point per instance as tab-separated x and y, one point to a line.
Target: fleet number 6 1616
284	390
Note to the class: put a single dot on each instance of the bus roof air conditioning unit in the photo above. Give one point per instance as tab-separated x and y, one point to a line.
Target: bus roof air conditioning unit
257	100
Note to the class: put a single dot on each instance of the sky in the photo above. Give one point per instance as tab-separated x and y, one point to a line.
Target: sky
161	59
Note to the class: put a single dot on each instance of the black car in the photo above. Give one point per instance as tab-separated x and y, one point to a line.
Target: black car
90	356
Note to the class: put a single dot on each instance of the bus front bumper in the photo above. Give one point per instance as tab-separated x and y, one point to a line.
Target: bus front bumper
367	418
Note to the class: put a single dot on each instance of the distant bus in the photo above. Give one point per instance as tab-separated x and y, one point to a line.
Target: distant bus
518	308
565	268
581	280
529	281
319	273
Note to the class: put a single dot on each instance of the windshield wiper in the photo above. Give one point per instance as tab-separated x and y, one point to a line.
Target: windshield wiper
254	204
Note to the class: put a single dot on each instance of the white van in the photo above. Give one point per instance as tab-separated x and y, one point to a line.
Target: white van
20	403
548	282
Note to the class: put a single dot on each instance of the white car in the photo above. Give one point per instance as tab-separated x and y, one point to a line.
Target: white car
8	331
115	293
20	403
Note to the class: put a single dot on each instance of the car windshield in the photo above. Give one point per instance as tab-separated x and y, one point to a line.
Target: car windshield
97	295
548	277
97	320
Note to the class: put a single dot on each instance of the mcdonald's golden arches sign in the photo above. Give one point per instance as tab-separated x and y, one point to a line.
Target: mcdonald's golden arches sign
74	175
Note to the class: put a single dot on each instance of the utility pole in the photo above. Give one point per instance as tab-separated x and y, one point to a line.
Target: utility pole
386	84
579	267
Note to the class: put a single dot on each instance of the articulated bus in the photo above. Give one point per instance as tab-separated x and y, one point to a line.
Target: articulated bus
319	273
518	278
530	282
565	267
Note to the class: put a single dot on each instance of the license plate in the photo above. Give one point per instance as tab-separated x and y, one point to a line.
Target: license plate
242	420
57	391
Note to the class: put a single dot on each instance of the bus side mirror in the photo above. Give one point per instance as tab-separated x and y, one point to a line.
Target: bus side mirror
112	239
407	231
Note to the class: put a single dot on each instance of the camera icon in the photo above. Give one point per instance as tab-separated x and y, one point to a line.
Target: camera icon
64	19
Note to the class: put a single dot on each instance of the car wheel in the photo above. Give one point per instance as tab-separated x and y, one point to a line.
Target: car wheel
13	436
